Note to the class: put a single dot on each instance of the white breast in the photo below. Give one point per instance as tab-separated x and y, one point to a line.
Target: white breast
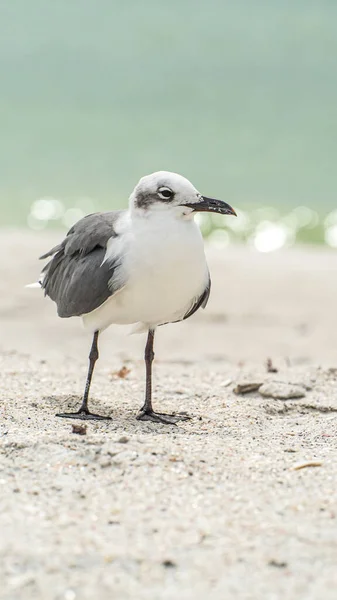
165	270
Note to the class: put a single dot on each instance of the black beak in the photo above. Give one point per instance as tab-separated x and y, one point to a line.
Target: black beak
212	205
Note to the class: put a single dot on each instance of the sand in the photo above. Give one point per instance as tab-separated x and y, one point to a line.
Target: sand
239	502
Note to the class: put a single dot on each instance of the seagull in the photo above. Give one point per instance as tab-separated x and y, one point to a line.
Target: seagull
144	266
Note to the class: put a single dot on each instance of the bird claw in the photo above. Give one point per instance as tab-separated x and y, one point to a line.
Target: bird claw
83	416
161	417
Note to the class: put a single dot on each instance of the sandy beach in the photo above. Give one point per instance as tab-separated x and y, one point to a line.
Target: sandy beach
240	502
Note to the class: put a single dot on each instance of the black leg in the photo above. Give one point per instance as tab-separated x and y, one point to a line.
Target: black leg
83	412
147	413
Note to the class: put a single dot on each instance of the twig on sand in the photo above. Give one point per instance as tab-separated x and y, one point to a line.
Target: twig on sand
247	387
304	465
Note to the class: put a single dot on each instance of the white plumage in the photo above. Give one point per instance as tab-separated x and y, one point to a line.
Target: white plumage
164	269
143	266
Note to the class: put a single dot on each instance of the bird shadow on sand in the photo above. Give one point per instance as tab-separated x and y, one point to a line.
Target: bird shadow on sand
64	403
117	418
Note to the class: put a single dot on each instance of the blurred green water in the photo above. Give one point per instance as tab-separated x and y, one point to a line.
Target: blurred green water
240	97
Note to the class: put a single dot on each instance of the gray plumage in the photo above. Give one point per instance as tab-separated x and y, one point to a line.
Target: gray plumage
75	278
198	303
201	301
152	254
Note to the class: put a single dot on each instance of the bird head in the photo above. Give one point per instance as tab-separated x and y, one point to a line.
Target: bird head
165	191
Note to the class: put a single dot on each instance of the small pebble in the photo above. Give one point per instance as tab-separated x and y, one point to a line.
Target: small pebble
79	429
169	564
282	391
278	564
123	440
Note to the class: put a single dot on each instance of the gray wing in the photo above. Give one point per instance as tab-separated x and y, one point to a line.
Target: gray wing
198	303
201	301
75	278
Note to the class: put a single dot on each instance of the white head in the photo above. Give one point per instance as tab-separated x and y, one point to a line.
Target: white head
163	191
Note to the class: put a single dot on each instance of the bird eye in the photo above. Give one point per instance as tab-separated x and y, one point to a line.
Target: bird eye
165	193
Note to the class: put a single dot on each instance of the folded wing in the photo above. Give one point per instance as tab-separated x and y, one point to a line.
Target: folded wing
200	302
76	278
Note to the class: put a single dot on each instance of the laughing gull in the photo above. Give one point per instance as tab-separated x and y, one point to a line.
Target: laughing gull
144	266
